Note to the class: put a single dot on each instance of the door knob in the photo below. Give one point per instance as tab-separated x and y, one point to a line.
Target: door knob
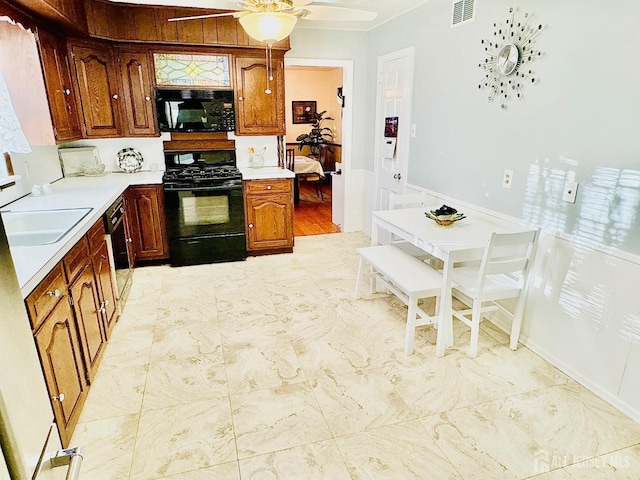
397	176
58	398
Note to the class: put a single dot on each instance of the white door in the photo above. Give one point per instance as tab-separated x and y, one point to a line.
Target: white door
393	123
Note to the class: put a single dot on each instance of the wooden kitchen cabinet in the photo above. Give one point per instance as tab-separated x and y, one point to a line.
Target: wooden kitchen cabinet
86	306
257	112
56	339
98	82
59	85
136	70
71	311
145	212
102	271
269	215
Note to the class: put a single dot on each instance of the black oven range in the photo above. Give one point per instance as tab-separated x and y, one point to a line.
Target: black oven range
204	207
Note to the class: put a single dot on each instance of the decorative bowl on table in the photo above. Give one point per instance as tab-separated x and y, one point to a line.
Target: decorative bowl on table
445	216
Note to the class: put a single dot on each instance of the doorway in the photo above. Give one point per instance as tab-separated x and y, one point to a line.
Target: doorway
393	123
318	82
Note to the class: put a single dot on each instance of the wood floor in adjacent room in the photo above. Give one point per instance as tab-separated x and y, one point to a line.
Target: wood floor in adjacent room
312	216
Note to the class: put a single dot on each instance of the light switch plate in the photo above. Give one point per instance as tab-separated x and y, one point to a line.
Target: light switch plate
570	191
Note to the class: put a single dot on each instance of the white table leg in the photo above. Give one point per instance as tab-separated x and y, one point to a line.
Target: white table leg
444	336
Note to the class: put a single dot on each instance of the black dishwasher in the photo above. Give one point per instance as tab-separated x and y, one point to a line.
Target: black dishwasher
120	248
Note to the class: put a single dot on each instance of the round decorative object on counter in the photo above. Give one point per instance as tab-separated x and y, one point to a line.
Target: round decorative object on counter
130	160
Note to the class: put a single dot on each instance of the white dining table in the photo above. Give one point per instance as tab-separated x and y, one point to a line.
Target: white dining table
463	241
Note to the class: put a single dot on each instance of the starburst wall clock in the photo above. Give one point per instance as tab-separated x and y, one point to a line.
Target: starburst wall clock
508	56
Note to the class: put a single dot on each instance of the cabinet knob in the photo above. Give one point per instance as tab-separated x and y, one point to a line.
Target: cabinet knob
268	187
55	293
115	96
240	98
67	91
147	98
129	240
58	398
251	225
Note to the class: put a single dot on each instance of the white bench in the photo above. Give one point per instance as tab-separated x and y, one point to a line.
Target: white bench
406	277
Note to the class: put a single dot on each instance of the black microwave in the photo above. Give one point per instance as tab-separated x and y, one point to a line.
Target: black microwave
181	110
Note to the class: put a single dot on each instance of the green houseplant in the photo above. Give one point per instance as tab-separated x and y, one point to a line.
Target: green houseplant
318	135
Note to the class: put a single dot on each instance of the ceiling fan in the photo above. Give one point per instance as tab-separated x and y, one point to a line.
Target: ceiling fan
273	20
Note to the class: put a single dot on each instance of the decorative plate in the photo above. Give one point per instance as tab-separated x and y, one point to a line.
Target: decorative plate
130	160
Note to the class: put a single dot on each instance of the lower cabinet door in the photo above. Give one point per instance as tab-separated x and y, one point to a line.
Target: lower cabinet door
145	212
102	270
63	369
269	224
84	293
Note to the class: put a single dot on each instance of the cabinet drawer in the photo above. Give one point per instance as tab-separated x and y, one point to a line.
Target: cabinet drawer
96	237
262	187
76	259
44	298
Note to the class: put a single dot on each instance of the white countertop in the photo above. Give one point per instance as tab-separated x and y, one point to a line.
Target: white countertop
33	263
266	172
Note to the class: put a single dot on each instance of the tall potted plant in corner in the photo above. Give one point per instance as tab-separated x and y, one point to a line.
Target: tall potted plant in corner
317	136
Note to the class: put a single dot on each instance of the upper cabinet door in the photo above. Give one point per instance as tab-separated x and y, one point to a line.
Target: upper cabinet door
99	90
59	85
137	91
258	112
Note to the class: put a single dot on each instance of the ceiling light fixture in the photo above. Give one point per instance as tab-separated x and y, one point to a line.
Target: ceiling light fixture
268	27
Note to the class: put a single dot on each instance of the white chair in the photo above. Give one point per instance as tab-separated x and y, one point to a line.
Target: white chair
408	200
406	277
503	273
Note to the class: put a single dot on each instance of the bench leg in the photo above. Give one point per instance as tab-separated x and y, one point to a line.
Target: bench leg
411	325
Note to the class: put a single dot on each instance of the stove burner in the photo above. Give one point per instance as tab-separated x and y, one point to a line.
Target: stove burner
202	175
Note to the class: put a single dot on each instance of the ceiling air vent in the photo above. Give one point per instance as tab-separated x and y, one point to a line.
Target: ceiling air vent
463	11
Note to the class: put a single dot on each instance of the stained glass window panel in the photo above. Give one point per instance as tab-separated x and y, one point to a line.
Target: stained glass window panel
183	69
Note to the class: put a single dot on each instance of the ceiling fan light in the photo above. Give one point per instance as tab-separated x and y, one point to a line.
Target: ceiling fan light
268	26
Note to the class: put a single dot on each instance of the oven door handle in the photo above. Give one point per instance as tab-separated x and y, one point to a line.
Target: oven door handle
202	189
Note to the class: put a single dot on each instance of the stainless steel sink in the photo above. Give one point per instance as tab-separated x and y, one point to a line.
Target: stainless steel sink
40	227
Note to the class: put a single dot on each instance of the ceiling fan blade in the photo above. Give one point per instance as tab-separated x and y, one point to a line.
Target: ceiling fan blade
337	14
209	15
213	4
341	2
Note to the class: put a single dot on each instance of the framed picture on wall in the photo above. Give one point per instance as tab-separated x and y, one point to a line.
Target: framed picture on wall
303	111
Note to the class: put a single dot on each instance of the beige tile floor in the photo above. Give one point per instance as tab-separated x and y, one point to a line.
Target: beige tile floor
268	369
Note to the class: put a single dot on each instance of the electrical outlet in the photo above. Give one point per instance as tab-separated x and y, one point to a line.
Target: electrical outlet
570	191
507	179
